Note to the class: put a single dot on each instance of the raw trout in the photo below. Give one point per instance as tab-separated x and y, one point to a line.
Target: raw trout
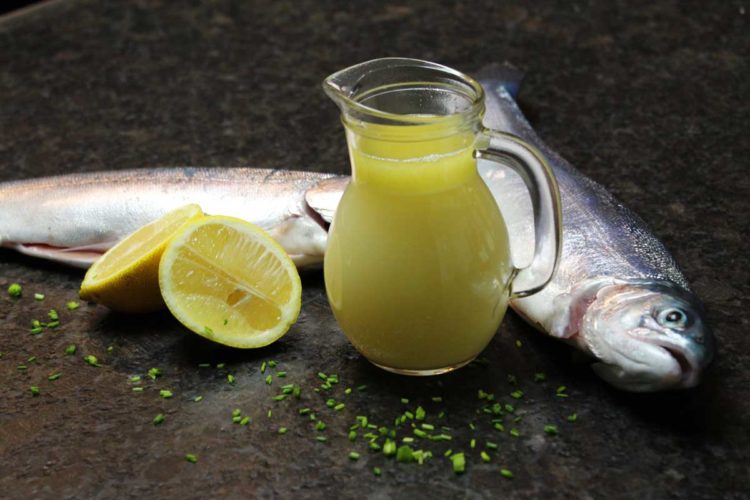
617	293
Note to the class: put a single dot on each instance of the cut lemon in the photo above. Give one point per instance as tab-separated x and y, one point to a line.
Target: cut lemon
126	278
229	281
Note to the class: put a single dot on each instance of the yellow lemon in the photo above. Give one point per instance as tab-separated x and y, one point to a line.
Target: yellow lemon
126	278
229	281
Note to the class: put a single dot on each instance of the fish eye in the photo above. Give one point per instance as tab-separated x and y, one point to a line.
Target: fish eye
673	318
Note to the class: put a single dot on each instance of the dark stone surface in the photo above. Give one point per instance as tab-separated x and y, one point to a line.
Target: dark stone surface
649	98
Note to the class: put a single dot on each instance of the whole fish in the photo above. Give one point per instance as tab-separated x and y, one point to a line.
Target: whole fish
617	293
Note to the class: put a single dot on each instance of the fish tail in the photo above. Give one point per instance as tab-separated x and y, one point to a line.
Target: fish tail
505	74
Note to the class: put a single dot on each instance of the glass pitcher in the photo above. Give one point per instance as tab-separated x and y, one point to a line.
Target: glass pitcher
418	269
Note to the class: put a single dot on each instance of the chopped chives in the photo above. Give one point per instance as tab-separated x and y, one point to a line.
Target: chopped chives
512	380
269	413
191	458
38	296
448	452
304	411
437	399
573	417
158	419
518	344
165	393
550	429
339	407
353	455
506	473
245	420
34	390
561	388
272	364
236	412
472	426
72	305
473	443
389	447
376	471
374	446
459	463
428	427
420	413
236	419
31	359
15	290
207	330
198	399
514	432
405	401
154	373
263	367
361	387
540	377
52	314
404	454
296	391
490	445
485	456
516	394
420	433
137	389
269	379
280	397
281	374
54	376
352	435
135	378
348	391
220	365
407	439
282	430
320	425
322	376
204	365
91	360
230	378
322	439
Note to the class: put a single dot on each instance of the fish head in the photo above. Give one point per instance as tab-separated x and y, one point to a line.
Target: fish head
648	336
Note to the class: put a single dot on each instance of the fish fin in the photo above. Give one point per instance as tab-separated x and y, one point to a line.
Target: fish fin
81	257
507	75
324	197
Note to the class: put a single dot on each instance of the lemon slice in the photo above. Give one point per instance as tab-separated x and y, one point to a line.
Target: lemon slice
126	278
229	281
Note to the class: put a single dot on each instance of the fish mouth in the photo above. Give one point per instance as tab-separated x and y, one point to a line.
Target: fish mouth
684	360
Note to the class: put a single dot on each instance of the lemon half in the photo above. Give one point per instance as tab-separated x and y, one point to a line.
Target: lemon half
126	278
229	281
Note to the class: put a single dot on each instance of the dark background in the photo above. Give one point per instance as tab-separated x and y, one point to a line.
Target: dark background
647	97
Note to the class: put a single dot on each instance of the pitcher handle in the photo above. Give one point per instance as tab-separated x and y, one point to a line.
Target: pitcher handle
530	164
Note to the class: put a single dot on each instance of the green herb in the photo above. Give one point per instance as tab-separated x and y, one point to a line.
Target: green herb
361	387
490	445
72	305
389	447
348	391
280	397
220	365
550	429
54	376
518	344
110	348
263	367
53	324
90	359
447	452
269	379
516	394
509	408
226	321
473	443
540	377
339	407
404	454
191	458
353	455
420	413
272	364
38	296
377	471
512	380
304	411
53	315
405	401
34	390
281	374
428	427
352	435
322	439
459	463
15	290
230	378
485	456
420	433
198	399
437	399
137	389
506	473
269	413
165	393
236	412
320	425
207	330
135	378
282	430
374	446
296	391
159	419
245	420
154	373
515	433
572	418
204	365
472	426
32	359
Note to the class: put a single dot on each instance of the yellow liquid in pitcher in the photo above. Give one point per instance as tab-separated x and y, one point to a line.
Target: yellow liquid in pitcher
417	265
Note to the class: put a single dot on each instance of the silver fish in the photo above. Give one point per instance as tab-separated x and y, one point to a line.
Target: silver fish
617	293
